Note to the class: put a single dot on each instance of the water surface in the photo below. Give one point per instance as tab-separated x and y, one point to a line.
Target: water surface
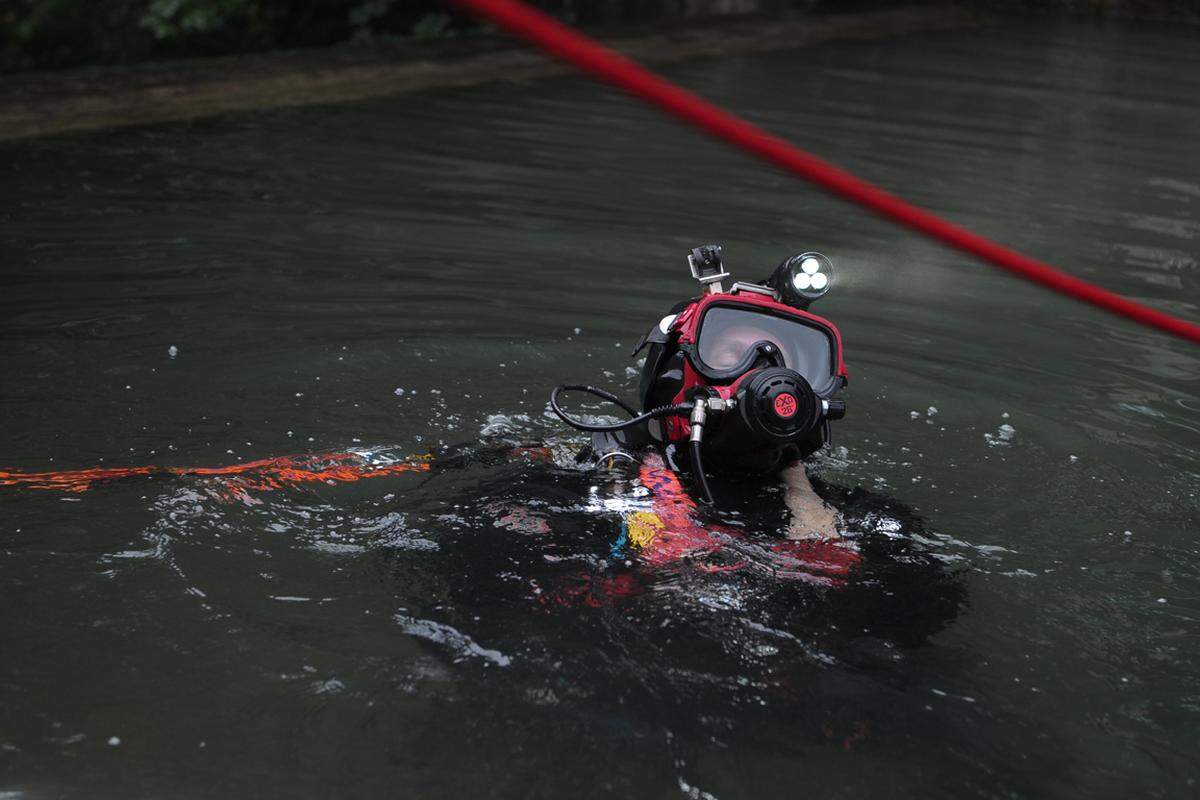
413	273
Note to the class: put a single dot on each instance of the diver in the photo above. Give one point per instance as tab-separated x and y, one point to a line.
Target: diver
739	382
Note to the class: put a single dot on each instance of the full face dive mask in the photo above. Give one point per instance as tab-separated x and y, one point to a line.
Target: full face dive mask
746	376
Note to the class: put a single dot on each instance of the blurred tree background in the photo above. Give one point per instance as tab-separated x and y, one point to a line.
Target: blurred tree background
52	34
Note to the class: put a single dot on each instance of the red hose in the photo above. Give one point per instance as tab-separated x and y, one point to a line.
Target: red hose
589	55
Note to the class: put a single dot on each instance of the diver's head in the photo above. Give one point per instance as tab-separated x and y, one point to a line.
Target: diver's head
746	377
770	366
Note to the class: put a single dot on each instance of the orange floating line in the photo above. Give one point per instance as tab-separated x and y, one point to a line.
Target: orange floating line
72	480
260	475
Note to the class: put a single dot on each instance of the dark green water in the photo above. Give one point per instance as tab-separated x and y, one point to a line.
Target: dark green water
1032	634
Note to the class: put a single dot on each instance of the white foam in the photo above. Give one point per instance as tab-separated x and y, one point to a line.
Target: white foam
462	645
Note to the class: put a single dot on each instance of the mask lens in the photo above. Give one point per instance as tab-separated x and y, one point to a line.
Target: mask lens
727	334
734	342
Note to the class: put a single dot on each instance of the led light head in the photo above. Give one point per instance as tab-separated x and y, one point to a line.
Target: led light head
803	278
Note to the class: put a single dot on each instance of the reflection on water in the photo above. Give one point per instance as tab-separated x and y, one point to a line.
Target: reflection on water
409	275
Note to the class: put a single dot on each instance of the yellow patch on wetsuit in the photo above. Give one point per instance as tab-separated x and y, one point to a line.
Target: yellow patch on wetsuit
643	527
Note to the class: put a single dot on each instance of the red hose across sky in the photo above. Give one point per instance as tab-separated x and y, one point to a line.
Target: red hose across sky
606	64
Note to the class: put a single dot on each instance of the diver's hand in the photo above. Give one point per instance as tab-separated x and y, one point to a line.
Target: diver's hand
812	517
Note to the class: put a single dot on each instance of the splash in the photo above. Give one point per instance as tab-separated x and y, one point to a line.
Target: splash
234	480
662	528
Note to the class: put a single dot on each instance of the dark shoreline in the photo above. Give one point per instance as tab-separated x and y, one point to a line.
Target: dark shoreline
44	104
